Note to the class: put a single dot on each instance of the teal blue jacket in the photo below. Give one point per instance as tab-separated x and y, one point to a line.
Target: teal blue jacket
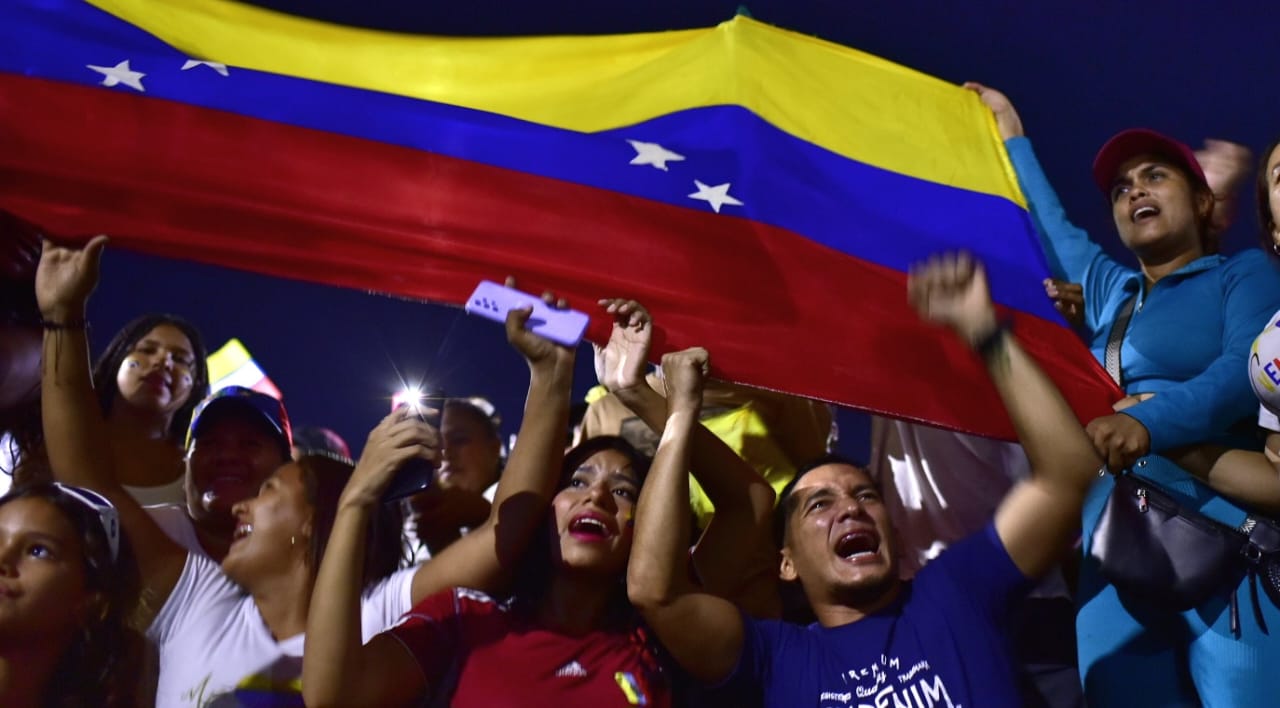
1189	338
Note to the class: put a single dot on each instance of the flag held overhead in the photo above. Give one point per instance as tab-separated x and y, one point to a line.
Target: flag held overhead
762	192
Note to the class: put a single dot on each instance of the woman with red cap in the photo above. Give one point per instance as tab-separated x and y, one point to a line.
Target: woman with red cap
1184	320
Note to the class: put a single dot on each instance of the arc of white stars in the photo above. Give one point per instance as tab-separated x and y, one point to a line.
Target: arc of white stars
717	195
120	74
216	66
653	154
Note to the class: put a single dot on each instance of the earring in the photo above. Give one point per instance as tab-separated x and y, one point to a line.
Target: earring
1275	247
293	541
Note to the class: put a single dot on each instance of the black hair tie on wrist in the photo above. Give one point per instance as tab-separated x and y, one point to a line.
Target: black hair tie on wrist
79	323
991	342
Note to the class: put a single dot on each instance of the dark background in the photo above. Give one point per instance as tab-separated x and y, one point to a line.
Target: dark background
1077	71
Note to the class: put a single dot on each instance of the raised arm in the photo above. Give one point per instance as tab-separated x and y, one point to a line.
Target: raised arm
333	619
1038	517
1072	255
703	632
485	558
74	429
743	499
383	672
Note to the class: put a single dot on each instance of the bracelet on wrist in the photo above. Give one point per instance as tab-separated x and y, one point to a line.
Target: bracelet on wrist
69	324
989	344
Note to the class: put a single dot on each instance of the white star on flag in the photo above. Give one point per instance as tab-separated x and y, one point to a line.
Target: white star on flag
716	196
653	154
120	74
216	66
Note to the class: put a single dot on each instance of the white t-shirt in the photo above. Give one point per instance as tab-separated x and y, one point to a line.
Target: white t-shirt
177	525
174	492
216	651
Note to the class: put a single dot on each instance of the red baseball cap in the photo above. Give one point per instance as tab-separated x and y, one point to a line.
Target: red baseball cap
1131	143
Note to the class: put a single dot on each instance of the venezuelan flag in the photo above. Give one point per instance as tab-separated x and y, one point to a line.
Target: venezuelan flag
761	191
232	365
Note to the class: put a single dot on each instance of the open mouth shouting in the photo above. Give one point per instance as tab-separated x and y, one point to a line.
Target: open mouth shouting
591	528
1143	211
859	546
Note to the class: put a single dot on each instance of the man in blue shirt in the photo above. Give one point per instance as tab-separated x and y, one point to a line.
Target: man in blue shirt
940	640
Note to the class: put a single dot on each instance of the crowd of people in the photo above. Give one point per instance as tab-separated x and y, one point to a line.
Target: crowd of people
695	542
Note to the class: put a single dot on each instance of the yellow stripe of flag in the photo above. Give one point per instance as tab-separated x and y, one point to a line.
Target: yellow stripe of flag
849	102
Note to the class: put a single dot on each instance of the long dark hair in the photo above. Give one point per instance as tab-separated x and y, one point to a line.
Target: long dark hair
1266	220
536	567
121	345
33	463
324	476
100	665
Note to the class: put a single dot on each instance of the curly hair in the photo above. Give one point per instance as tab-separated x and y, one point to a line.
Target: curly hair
100	665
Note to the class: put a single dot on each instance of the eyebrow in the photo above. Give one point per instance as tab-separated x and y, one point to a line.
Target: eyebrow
625	476
826	491
629	479
157	343
817	493
1144	169
48	540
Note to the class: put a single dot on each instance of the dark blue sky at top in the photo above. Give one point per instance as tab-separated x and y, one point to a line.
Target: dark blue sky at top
1077	71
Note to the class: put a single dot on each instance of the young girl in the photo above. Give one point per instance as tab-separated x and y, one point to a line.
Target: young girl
63	600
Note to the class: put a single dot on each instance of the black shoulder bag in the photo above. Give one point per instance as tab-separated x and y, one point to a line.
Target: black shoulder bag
1155	550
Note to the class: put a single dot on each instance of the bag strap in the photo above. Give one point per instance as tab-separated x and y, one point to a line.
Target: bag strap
1111	356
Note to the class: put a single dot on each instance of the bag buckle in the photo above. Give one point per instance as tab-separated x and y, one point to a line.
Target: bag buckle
1142	499
1252	552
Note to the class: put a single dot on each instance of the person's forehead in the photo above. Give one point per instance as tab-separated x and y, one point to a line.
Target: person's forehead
835	475
607	459
1143	161
461	418
608	462
289	473
31	514
234	420
167	334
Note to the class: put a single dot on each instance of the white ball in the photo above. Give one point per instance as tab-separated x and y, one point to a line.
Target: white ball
1264	366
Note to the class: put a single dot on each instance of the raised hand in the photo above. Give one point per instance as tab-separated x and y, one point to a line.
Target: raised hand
66	277
621	364
1068	299
1007	120
683	374
951	289
537	350
399	437
1226	166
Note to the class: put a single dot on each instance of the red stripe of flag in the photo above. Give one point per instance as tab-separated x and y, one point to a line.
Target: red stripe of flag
774	308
